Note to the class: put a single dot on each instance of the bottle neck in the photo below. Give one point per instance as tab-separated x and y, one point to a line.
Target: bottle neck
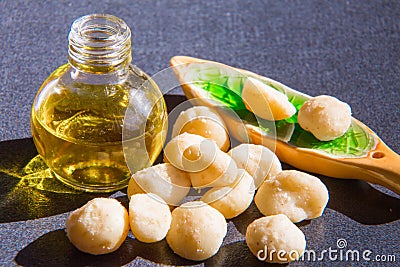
100	44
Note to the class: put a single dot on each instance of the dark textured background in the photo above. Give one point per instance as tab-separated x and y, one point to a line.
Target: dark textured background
349	49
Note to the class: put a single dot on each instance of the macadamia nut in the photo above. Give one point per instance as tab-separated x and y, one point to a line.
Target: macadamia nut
205	164
221	171
164	180
149	217
260	162
326	117
177	146
232	200
197	231
275	239
265	101
205	122
99	227
296	194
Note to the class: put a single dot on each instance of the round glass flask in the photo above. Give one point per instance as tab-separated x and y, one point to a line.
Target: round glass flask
78	115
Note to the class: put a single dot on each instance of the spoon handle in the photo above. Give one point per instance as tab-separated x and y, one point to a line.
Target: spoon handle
380	166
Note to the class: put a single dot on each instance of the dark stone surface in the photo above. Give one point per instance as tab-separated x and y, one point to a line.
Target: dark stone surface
348	49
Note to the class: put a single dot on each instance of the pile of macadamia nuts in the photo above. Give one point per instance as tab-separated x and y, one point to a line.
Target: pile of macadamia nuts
197	156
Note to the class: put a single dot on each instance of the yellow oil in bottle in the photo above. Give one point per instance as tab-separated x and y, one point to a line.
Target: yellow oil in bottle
78	115
80	137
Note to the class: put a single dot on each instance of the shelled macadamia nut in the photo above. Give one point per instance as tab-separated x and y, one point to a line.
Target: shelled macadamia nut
275	239
149	217
205	122
296	194
174	150
265	101
326	117
260	162
205	164
221	169
98	227
164	180
234	199
197	231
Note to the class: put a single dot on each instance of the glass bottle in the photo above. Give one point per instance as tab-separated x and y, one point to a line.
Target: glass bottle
78	114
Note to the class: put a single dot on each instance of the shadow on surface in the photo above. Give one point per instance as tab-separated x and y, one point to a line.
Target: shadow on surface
28	188
248	216
362	202
44	252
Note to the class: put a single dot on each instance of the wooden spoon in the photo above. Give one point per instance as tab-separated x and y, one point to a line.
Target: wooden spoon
359	154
